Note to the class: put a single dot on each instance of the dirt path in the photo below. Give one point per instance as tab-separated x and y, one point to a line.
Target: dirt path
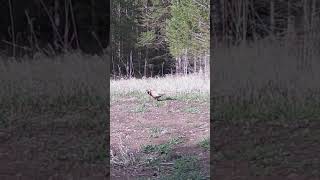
134	125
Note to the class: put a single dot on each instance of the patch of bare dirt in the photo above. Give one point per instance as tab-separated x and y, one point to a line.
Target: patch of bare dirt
51	147
156	124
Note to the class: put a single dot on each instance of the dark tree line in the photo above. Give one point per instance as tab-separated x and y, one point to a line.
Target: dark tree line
293	23
53	26
154	37
250	20
157	37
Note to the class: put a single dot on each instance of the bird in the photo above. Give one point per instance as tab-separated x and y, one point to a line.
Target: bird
154	94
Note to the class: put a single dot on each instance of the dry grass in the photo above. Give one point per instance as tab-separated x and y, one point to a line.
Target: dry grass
45	100
195	83
268	80
247	70
265	98
123	157
44	83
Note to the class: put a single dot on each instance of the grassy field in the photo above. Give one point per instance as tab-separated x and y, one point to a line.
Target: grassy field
272	137
166	139
53	117
265	113
264	119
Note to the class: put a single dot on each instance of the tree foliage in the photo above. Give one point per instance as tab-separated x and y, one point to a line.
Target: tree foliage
188	27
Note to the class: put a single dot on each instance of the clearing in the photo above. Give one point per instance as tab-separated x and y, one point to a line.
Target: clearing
166	139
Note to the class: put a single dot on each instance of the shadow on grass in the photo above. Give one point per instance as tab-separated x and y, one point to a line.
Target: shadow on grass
167	99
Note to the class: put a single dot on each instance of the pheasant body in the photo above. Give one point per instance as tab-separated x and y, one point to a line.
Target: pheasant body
154	94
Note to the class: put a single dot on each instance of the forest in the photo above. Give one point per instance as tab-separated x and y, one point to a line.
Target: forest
157	37
154	37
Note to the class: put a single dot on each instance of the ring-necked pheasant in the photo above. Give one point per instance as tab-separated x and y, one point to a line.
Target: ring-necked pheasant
154	94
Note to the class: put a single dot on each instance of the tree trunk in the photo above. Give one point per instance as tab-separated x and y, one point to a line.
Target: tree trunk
219	21
66	27
200	64
139	62
131	65
162	68
272	25
151	69
119	69
185	63
205	65
306	33
145	64
75	30
178	64
313	22
244	24
113	65
56	24
12	30
127	69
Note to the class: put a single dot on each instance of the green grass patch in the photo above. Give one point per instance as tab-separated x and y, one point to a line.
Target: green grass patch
187	167
265	108
164	148
160	103
192	96
192	110
205	144
156	131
